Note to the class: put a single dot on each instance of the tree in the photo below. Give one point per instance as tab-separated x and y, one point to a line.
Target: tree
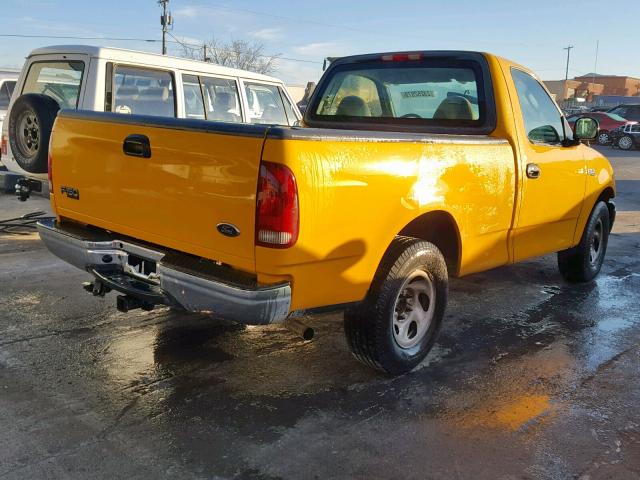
240	54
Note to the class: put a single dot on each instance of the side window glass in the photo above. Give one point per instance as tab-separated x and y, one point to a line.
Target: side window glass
288	108
221	99
4	97
542	119
193	103
11	85
143	91
265	104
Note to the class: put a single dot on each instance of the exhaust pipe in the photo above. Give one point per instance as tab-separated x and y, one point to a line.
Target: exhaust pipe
300	328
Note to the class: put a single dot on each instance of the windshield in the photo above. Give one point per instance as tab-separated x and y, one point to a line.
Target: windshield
428	93
60	80
616	117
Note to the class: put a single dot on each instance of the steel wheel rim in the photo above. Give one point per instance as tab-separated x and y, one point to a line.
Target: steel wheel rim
414	309
603	138
28	133
595	249
625	143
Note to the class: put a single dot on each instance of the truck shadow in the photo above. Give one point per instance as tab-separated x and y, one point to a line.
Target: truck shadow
513	336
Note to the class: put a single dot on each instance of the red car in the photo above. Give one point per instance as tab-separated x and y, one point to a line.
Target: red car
607	121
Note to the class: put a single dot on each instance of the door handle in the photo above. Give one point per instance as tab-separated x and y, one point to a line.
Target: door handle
137	145
533	170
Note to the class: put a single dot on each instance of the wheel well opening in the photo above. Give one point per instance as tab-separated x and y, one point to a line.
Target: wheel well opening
440	229
606	195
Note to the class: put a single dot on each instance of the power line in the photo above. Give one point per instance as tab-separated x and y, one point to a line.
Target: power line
148	40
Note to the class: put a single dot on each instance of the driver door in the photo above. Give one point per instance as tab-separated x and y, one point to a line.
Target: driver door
552	176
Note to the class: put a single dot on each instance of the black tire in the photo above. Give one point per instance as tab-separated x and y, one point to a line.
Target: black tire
581	263
370	327
626	142
30	124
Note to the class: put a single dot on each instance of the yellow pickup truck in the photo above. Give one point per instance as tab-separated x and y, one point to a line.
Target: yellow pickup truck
407	168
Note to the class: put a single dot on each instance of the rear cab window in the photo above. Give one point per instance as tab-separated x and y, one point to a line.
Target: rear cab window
408	92
60	80
143	91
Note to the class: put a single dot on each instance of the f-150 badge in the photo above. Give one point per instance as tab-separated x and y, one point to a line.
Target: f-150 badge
70	192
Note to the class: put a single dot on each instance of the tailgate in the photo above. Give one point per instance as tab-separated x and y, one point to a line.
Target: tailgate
198	175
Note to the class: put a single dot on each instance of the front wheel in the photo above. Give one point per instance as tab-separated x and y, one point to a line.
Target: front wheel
398	322
583	262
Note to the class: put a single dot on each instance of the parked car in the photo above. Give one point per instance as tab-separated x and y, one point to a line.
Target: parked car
626	137
7	84
132	83
408	168
607	121
628	112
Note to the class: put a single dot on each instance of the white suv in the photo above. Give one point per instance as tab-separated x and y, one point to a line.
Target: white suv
7	84
128	82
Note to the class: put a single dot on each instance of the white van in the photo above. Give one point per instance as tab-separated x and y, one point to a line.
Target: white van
128	82
7	84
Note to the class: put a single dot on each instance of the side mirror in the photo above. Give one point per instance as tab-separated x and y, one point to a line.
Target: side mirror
586	128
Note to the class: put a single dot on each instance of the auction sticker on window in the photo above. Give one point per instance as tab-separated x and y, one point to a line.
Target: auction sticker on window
418	93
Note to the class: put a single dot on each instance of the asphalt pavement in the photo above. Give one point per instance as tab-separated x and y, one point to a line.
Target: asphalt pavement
532	378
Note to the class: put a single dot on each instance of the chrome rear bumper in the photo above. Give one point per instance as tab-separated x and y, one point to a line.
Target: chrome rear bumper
218	290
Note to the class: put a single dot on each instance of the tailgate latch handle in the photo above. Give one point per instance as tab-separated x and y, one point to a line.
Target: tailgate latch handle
137	145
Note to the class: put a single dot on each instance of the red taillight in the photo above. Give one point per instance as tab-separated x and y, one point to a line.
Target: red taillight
277	213
402	57
4	150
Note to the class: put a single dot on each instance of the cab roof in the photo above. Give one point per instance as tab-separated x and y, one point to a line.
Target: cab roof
155	59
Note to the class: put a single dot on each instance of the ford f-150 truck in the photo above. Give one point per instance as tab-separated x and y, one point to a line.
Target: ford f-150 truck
407	168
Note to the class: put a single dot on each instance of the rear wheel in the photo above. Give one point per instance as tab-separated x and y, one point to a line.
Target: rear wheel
625	142
397	324
604	138
583	262
30	124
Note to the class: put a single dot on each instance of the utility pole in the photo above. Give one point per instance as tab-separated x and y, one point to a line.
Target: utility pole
568	49
165	21
204	48
595	67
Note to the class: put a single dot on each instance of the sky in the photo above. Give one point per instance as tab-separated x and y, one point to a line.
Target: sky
531	33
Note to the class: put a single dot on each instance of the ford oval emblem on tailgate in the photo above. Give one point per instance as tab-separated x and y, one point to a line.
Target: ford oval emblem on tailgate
228	230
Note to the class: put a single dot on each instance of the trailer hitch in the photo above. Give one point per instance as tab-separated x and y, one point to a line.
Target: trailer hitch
124	303
97	289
